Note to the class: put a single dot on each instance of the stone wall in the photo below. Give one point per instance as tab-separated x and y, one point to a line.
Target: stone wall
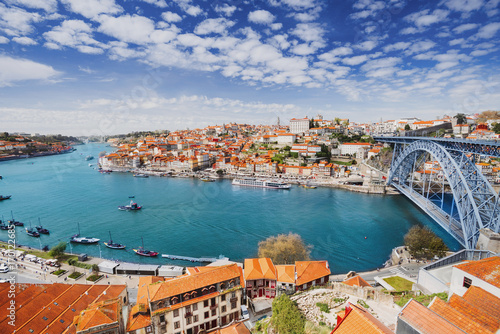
363	293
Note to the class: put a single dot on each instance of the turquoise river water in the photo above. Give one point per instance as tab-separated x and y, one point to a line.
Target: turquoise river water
188	217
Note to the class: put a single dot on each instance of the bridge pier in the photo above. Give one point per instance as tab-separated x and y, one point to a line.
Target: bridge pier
488	240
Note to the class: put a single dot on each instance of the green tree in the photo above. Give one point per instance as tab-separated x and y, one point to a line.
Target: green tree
461	118
422	242
58	250
337	121
287	318
219	172
285	249
407	127
496	127
95	269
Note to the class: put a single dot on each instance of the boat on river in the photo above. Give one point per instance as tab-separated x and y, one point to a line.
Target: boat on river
253	182
141	175
131	207
144	252
15	222
2	197
207	179
113	245
89	157
32	232
83	240
40	229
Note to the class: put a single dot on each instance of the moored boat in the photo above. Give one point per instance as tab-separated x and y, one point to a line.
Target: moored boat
40	229
15	222
206	179
144	252
308	186
89	157
2	197
113	245
131	207
76	238
253	182
32	232
141	175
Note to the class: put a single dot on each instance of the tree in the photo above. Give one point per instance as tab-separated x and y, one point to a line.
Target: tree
337	120
58	250
422	242
407	127
285	249
496	128
219	172
461	118
95	268
287	318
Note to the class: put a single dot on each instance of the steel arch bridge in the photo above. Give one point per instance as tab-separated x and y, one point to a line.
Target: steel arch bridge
455	193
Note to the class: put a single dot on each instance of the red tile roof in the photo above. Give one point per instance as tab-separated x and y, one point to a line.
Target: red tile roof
484	300
286	273
487	269
261	268
359	320
357	281
479	315
308	271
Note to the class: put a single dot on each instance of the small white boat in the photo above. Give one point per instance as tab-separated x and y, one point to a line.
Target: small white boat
141	175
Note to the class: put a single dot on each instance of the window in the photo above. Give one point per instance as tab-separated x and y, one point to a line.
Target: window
176	313
195	307
214	311
467	282
195	318
206	315
177	324
223	298
188	321
205	303
233	294
162	318
223	308
233	305
188	308
212	301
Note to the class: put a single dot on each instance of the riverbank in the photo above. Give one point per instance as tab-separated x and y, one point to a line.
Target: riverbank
35	155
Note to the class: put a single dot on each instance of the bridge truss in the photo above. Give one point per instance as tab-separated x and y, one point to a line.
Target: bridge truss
456	195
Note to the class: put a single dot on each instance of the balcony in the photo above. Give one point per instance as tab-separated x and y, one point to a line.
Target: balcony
213	307
188	314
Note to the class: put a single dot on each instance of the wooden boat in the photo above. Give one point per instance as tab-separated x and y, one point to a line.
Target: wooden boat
143	252
40	229
32	232
131	207
2	197
113	245
83	240
15	222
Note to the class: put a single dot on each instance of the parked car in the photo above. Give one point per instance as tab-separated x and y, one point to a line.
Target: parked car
4	269
244	312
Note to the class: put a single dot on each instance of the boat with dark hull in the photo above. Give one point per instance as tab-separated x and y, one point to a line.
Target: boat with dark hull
131	207
32	232
40	229
2	197
144	252
113	245
15	222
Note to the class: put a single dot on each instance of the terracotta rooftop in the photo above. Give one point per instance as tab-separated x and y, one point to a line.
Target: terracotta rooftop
286	273
261	268
426	321
238	328
359	320
357	281
102	313
477	314
190	282
483	299
463	321
308	271
487	269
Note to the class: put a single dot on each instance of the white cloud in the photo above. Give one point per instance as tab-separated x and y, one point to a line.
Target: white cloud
24	41
92	8
194	10
356	60
89	49
72	33
276	26
420	46
158	3
261	17
303	49
397	46
86	70
309	32
464	5
425	18
171	17
225	9
489	30
217	26
16	21
366	46
130	29
47	5
464	27
409	31
19	69
295	4
4	40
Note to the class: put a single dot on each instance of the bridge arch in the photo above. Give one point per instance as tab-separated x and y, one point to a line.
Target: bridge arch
473	196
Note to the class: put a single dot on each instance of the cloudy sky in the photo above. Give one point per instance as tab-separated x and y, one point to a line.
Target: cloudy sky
111	66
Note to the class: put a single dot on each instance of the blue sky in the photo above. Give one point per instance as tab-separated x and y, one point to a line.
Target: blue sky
109	66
